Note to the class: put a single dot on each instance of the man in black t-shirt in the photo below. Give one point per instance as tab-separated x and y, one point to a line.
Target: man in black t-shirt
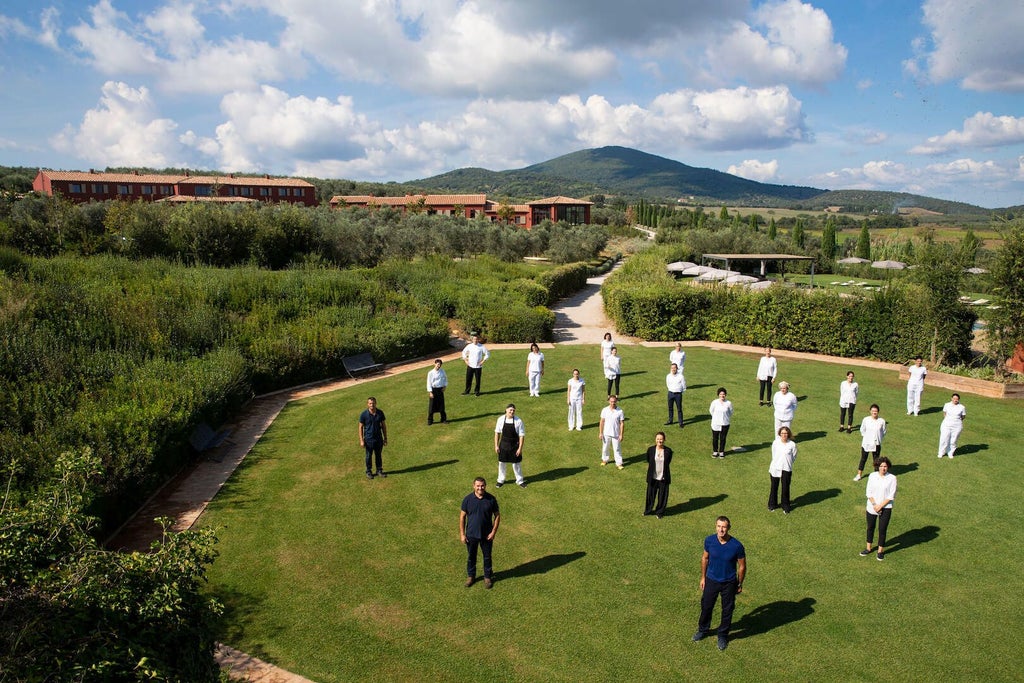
478	523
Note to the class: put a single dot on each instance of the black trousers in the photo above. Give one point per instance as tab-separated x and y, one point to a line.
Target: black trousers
471	545
675	400
883	525
846	415
718	439
435	404
374	451
470	374
864	457
773	495
712	589
614	381
765	393
657	498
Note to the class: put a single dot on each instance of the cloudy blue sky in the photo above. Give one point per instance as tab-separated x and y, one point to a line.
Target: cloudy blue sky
923	97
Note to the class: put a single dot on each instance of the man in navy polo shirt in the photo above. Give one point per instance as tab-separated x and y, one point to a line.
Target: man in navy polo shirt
722	568
478	523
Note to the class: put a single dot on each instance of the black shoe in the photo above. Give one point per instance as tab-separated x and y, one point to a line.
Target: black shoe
478	393
465	393
430	424
659	516
698	636
523	485
723	642
488	583
469	581
382	475
785	512
369	475
880	556
771	509
865	553
499	484
668	423
647	513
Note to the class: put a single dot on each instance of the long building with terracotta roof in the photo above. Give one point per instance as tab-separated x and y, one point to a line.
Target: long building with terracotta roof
81	187
567	209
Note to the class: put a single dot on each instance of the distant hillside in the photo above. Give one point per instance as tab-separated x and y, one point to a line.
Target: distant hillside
867	201
522	184
631	172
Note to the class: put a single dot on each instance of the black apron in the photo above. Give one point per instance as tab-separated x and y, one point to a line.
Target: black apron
509	444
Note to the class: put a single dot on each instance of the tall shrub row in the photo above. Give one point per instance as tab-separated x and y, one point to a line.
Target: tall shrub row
889	324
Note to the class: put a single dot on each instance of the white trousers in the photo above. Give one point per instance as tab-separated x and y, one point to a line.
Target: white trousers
616	446
576	414
534	384
914	399
517	469
948	436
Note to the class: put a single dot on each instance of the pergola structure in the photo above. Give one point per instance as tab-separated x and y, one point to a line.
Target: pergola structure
763	258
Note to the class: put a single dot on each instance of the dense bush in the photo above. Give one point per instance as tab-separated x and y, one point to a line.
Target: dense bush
74	612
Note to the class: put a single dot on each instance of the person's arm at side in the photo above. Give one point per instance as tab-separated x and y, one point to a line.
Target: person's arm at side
741	573
542	366
384	431
462	526
527	366
494	528
703	568
519	451
600	429
497	438
568	394
362	441
622	428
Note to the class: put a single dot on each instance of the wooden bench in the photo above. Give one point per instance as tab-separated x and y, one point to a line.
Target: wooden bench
205	438
363	364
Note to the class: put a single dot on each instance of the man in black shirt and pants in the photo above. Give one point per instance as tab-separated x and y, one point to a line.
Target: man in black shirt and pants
478	523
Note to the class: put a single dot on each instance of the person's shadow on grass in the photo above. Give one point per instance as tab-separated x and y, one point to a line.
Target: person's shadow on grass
694	504
909	539
813	497
765	618
422	468
971	448
639	395
809	436
903	469
542	565
557	473
750	448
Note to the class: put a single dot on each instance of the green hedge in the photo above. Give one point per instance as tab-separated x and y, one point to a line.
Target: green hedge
643	301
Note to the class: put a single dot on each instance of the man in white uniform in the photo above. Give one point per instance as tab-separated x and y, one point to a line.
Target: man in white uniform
915	385
610	431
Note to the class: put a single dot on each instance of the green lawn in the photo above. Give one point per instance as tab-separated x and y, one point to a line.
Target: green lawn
339	578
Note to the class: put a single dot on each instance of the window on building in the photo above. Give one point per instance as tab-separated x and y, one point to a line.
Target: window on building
264	191
122	189
75	188
165	189
245	191
203	190
99	188
282	192
147	189
297	191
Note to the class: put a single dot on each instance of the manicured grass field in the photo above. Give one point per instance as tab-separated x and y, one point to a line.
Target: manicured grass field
339	578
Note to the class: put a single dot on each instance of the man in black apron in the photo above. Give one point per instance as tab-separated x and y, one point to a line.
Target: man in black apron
508	444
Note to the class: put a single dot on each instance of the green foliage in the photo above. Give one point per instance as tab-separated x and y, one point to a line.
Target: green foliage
797	236
72	611
772	230
1006	323
864	242
892	324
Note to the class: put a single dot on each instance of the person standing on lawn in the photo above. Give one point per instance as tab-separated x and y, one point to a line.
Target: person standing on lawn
437	382
767	371
576	389
953	414
678	356
915	386
509	436
881	491
613	370
721	418
373	436
872	431
659	476
478	523
676	384
610	430
474	356
534	369
723	567
781	469
848	391
784	402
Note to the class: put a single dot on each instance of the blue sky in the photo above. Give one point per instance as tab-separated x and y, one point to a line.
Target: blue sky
922	97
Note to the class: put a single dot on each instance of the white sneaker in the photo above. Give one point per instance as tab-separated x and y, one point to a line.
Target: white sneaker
857	478
940	456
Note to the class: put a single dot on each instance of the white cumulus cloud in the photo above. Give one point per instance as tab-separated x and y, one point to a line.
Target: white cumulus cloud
984	129
124	130
975	43
787	41
752	169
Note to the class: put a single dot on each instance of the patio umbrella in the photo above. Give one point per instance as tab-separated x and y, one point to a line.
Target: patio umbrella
696	270
679	266
740	279
889	265
853	260
714	275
